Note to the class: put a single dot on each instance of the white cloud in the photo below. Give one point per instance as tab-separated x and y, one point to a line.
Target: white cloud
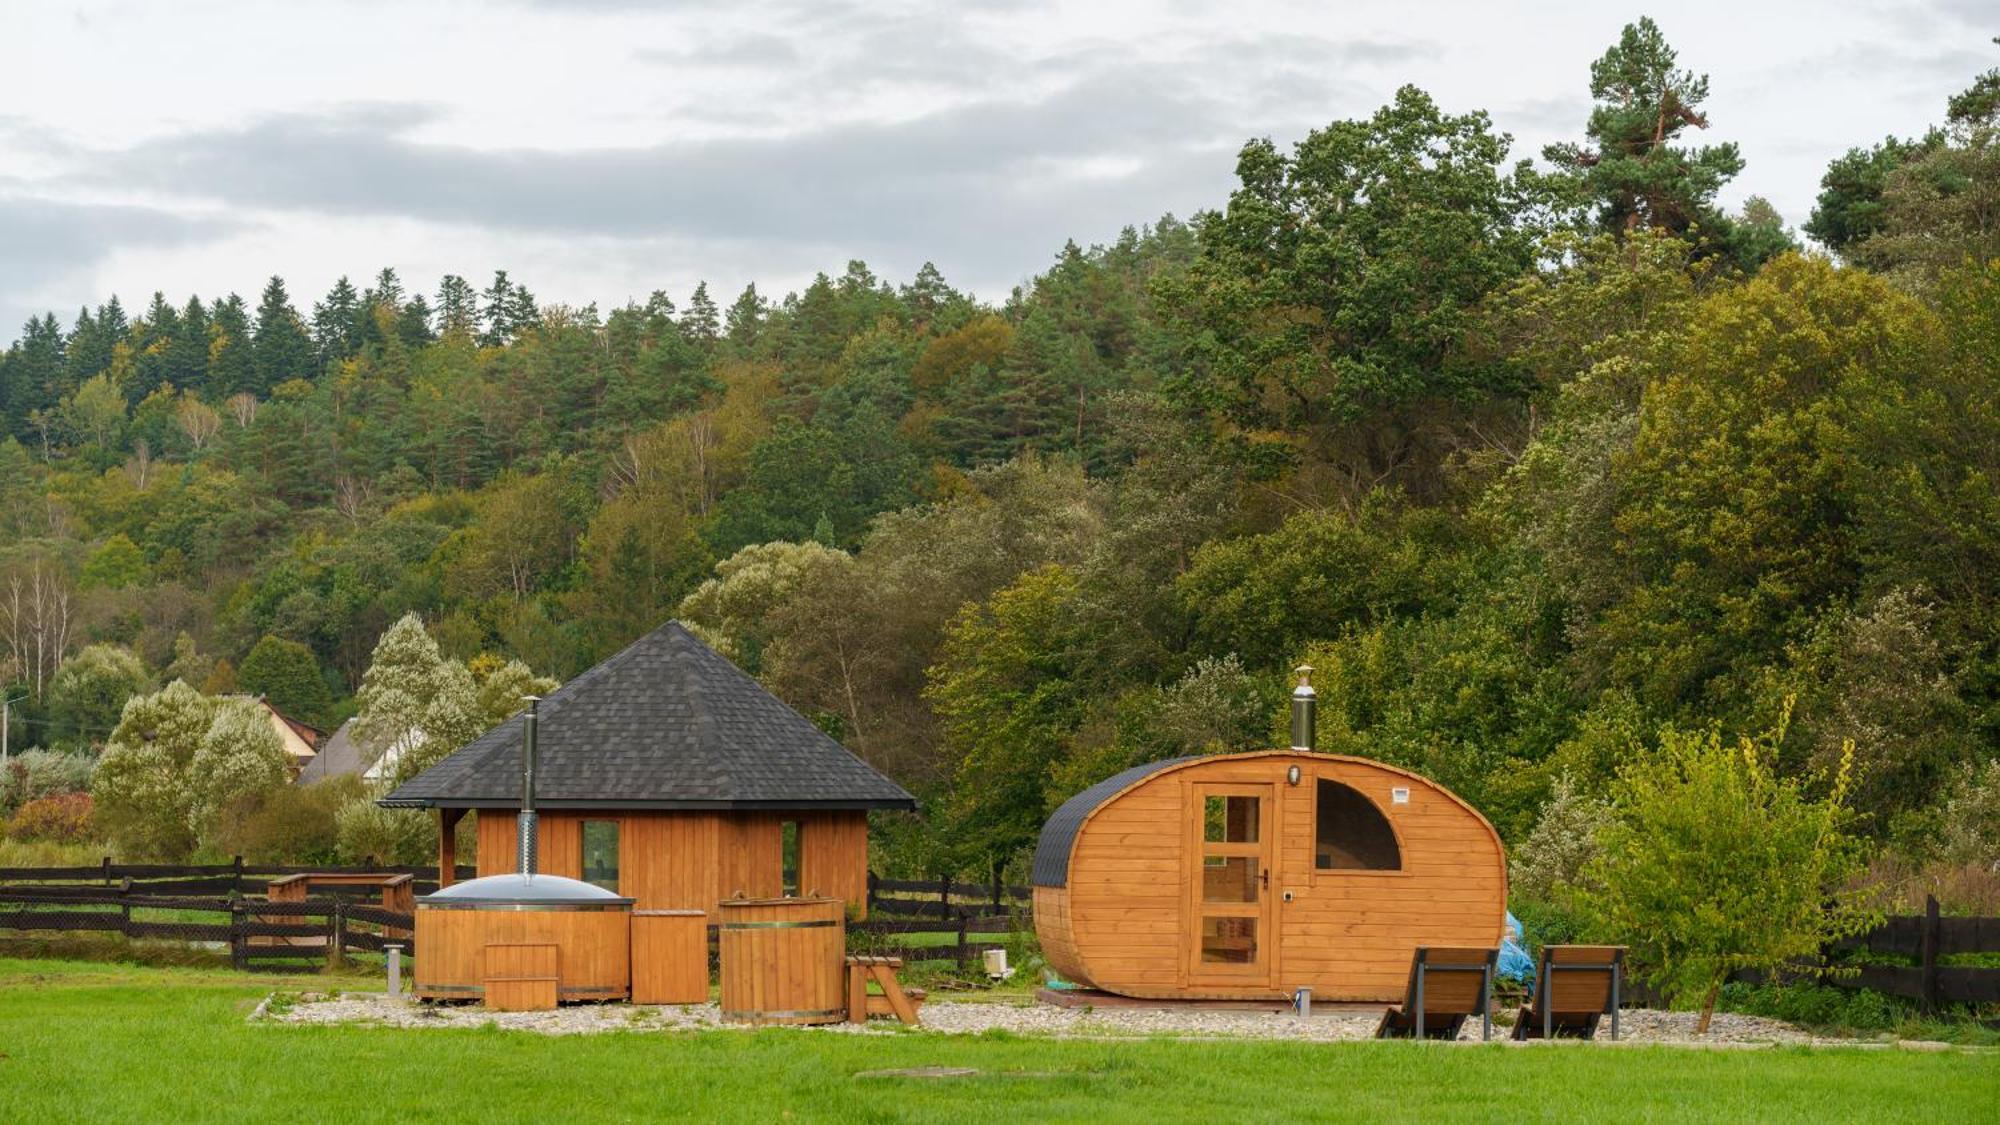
601	149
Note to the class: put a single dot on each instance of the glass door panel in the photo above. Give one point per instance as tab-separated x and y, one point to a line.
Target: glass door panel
1230	901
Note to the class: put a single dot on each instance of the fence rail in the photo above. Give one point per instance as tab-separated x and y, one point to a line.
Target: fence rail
222	904
255	932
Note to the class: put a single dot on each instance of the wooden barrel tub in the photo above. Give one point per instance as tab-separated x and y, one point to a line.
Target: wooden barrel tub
782	960
472	934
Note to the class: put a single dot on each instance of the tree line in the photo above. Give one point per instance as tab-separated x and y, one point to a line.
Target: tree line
1541	466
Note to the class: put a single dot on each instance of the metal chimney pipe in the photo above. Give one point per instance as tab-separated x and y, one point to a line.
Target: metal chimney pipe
525	823
1304	704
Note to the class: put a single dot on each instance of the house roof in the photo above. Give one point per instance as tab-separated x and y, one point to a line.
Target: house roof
1051	868
668	724
338	757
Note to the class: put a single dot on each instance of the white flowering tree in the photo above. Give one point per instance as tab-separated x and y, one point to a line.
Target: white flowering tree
178	766
240	759
140	788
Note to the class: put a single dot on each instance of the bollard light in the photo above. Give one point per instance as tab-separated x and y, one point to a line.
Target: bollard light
395	971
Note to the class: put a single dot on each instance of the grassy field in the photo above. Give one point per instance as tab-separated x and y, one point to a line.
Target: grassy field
97	1042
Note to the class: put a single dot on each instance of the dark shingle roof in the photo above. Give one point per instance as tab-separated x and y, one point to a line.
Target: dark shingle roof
1051	867
667	723
338	757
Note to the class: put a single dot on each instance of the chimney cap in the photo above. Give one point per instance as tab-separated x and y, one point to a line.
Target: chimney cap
1304	673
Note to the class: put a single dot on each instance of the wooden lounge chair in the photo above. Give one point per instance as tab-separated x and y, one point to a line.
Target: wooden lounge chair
1447	986
1575	986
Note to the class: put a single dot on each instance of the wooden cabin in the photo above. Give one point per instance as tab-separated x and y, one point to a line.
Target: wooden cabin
1246	876
668	776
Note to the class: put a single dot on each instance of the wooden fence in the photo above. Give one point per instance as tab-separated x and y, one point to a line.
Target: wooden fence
917	921
1926	938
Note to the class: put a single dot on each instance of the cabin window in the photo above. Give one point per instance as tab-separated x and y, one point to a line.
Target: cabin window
600	853
1351	834
789	863
1229	820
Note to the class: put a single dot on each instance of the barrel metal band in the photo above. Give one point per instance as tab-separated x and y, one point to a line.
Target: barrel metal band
778	925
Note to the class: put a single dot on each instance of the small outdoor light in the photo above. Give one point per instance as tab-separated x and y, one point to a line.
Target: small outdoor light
1292	775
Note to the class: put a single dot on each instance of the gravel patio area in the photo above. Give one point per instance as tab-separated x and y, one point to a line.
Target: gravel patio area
951	1017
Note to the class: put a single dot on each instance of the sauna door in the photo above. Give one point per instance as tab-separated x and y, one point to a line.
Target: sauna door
1230	916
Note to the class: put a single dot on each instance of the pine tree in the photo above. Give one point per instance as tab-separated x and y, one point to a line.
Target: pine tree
413	324
498	308
281	348
1631	164
231	366
522	312
333	324
746	318
457	307
189	369
702	324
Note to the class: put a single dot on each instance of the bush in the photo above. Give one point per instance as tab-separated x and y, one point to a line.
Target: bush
296	824
1549	865
392	836
1817	1005
41	773
1713	863
62	819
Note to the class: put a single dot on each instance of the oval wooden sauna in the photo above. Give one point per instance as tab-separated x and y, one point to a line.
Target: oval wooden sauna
782	959
1232	877
463	927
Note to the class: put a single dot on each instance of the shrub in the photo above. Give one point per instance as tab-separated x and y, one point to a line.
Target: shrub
1713	863
90	689
1550	863
295	824
41	773
62	819
390	835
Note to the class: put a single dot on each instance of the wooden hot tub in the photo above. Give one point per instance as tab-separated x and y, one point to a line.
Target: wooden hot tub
474	935
782	960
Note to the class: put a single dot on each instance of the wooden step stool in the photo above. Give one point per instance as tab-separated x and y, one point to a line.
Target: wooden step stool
894	1000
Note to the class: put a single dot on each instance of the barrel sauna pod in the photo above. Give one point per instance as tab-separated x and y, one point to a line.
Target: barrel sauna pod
1247	876
782	960
483	929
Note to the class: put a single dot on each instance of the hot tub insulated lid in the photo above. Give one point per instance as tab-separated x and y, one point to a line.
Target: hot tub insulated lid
515	891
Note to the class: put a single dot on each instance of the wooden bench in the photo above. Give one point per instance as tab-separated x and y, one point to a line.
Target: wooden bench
893	1000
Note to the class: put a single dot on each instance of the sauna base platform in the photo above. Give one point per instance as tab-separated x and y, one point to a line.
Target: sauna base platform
1092	998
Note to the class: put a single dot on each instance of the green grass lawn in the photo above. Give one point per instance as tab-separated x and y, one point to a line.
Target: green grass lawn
97	1042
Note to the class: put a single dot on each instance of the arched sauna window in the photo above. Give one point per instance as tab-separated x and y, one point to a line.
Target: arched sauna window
1351	833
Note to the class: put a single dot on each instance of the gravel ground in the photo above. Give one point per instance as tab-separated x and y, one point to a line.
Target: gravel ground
967	1018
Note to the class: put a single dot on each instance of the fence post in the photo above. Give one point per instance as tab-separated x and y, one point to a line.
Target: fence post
871	891
999	884
336	935
1932	934
236	935
107	870
125	907
964	954
236	875
944	892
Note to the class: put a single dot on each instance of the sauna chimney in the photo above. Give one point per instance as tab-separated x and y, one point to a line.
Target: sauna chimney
1304	703
525	823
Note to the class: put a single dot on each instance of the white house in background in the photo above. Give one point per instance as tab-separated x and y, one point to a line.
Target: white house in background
342	756
301	740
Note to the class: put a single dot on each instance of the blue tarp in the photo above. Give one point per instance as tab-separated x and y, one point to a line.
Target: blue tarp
1514	959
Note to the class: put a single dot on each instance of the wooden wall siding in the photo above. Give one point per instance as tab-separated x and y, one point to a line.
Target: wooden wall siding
694	860
1124	920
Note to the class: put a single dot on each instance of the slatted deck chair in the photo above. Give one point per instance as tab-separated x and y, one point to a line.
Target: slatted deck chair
1575	986
1447	987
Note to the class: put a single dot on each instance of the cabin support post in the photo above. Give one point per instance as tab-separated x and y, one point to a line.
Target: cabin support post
448	845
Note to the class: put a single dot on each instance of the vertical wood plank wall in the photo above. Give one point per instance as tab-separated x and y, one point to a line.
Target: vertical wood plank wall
1122	923
694	860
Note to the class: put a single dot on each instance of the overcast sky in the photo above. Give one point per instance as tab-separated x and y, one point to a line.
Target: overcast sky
601	149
